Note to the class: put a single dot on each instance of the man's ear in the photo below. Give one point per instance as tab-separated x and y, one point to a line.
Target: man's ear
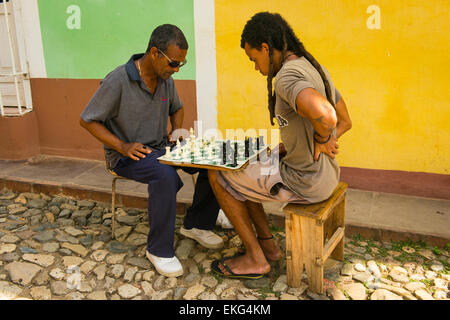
265	47
154	52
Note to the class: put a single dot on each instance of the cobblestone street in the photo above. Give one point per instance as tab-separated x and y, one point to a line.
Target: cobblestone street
60	248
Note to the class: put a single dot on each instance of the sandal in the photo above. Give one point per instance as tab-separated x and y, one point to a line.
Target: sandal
221	268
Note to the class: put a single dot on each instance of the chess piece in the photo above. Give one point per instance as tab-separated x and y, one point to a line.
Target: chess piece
210	152
168	152
235	154
229	152
198	149
187	146
250	147
261	141
192	149
246	148
224	153
178	149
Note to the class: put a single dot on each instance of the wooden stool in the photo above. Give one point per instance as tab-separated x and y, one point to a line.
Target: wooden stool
314	232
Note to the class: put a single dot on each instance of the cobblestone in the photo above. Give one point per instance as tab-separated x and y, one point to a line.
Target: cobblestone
55	248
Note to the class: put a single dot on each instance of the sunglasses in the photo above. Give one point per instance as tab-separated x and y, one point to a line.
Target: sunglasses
173	64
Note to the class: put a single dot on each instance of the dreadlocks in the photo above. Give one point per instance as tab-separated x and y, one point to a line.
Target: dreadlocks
272	29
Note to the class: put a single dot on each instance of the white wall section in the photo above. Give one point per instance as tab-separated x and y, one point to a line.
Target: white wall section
206	73
33	39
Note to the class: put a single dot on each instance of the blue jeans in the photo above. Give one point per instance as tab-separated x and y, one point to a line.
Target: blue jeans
163	184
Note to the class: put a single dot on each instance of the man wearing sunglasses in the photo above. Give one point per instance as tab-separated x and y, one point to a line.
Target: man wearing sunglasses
129	115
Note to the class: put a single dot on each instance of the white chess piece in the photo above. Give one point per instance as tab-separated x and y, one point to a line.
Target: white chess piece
188	144
168	152
178	149
210	152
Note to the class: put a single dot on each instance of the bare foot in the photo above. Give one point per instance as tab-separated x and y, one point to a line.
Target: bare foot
245	265
270	249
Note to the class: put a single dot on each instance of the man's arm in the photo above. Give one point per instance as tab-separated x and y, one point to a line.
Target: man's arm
176	121
343	118
343	124
312	105
309	104
133	150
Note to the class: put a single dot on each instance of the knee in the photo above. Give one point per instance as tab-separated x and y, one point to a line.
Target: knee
167	182
212	176
170	173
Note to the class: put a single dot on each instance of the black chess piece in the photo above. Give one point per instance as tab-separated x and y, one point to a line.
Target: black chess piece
246	148
235	154
224	153
261	141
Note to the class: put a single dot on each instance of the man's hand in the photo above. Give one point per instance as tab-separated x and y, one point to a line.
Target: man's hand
176	121
330	148
135	150
175	136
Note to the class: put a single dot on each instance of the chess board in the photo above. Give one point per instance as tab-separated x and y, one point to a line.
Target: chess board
208	154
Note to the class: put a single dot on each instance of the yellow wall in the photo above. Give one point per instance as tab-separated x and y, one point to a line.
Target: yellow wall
394	80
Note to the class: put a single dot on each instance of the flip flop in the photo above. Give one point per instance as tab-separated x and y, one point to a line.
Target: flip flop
221	268
241	251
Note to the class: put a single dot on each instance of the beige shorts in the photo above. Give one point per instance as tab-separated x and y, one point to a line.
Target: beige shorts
259	182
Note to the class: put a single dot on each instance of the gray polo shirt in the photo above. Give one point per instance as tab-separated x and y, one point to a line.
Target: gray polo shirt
314	181
128	109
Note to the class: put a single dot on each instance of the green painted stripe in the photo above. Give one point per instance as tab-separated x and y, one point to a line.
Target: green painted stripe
110	31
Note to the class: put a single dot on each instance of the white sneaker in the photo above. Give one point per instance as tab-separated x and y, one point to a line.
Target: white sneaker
169	267
206	238
223	221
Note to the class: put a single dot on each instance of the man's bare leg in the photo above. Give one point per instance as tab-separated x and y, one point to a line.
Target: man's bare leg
259	219
253	261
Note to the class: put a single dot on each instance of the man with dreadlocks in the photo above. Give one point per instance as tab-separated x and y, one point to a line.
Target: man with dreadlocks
311	115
